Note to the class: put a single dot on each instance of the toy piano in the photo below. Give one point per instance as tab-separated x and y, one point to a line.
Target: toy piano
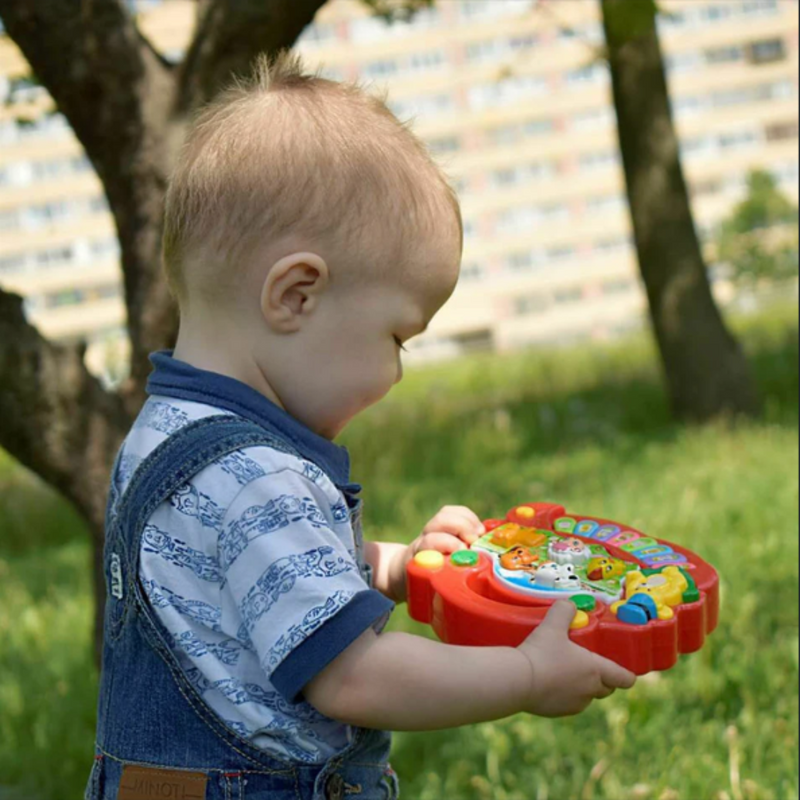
639	601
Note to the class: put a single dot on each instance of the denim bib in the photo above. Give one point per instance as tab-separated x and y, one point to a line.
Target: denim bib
156	737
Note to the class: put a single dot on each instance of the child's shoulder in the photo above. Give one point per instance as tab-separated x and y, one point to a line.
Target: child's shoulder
162	417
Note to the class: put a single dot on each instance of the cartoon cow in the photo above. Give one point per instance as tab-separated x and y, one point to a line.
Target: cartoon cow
568	551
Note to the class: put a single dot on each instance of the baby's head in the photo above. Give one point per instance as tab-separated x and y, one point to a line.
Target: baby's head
307	235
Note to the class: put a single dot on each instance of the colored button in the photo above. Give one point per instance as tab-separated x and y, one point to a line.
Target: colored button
525	512
584	602
464	558
580	620
429	559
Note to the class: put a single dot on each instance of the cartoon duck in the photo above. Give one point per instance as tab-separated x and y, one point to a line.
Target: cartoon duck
651	596
600	568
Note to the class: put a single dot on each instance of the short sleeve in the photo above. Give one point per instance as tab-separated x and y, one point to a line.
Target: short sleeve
290	576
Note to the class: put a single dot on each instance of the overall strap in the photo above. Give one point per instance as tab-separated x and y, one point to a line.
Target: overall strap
168	467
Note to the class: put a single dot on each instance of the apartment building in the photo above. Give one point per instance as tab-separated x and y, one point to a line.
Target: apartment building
515	102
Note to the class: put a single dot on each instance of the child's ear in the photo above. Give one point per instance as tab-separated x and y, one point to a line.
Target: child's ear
292	289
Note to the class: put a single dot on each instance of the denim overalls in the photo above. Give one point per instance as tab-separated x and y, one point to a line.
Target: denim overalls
156	738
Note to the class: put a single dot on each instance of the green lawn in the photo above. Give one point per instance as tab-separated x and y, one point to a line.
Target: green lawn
587	427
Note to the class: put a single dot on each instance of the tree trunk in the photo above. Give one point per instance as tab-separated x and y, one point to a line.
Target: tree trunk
706	372
129	108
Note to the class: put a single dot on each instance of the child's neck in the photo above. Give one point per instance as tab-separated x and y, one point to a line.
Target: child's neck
218	351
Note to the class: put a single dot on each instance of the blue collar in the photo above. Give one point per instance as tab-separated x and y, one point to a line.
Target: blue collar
174	378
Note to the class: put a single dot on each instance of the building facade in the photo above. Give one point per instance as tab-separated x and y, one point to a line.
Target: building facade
512	98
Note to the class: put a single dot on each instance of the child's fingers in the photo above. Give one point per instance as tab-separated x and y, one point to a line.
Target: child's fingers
453	520
443	542
613	676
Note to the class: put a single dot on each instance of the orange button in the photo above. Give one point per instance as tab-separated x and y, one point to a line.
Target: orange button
525	511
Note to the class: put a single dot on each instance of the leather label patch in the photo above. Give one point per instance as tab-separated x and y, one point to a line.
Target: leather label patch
150	783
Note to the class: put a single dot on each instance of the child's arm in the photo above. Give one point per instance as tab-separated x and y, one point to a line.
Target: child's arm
453	528
397	681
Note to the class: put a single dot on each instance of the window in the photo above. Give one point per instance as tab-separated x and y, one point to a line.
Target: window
709	186
592	74
9	219
525	260
505	92
559	253
683	62
426	60
490	50
605	203
598	160
68	297
12	263
613	245
618	286
766	51
738	139
101	248
471	272
523	41
317	34
760	8
724	55
522	173
380	69
778	131
426	104
571	294
593	119
53	256
448	144
531	304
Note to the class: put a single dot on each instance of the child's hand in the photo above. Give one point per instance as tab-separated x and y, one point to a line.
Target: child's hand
566	676
453	528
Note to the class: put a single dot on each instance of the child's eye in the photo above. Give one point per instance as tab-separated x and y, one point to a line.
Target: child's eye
399	344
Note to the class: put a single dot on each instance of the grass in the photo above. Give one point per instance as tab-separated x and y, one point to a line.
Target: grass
587	427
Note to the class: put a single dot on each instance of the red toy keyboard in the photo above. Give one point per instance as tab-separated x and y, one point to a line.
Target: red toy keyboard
639	601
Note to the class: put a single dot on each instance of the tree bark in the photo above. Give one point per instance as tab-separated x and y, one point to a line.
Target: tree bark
129	108
706	372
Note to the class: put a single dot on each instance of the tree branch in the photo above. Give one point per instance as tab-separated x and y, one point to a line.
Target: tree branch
55	417
117	93
230	34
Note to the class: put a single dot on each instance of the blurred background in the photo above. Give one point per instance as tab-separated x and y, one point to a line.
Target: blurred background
540	379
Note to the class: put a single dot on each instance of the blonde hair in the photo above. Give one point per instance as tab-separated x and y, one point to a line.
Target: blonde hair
287	152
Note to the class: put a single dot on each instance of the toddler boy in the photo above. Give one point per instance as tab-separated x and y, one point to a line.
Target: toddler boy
307	236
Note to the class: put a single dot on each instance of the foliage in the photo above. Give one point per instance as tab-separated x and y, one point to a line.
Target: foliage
396	10
758	241
588	427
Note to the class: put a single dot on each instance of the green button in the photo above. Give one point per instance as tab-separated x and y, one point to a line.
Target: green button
464	558
584	602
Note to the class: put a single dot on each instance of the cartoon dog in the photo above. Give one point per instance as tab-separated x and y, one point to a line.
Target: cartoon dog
556	576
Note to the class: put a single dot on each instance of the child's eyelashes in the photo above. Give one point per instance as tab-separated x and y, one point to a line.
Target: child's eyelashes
400	344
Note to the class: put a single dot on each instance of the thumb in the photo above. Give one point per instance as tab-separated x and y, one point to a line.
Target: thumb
559	617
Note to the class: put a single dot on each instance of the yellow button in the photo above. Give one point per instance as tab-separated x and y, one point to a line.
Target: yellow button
580	620
526	512
429	559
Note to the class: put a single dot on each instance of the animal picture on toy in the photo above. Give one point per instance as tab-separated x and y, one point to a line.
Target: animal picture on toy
639	601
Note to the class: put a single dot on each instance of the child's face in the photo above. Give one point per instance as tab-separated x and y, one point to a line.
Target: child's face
349	354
